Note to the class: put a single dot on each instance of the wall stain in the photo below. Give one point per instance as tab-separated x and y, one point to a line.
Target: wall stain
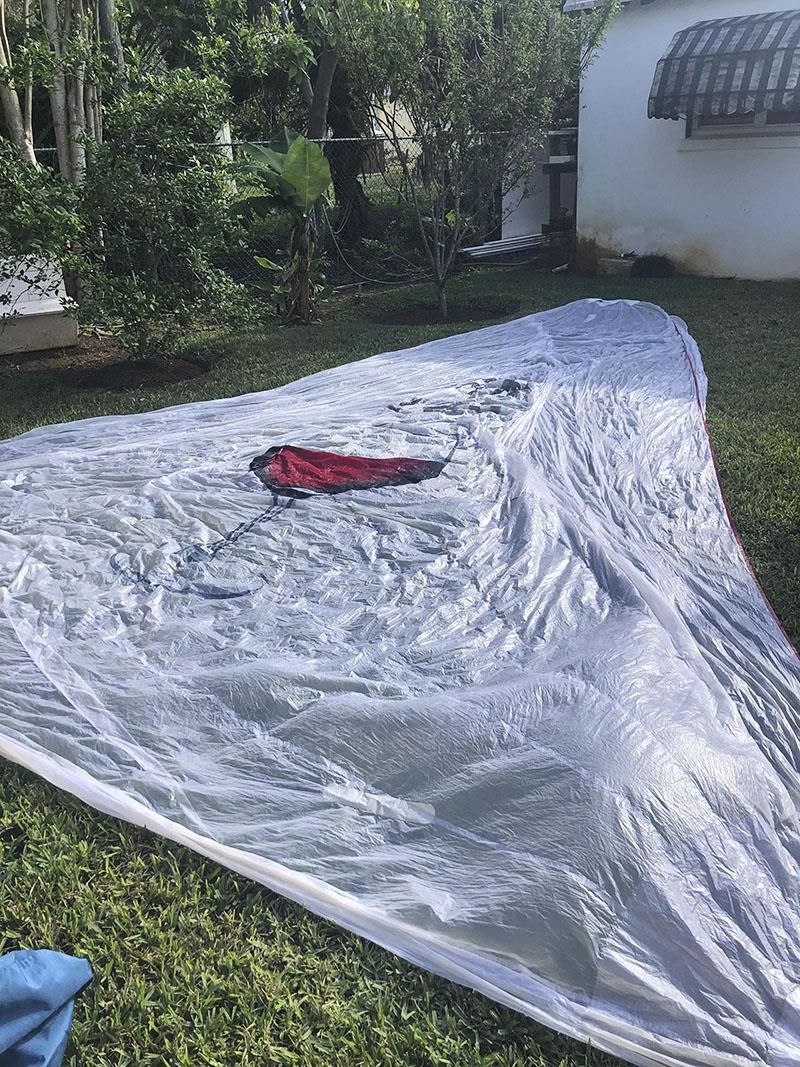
689	258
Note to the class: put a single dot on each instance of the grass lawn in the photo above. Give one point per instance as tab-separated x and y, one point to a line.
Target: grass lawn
195	966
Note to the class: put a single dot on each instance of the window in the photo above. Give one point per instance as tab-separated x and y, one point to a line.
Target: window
758	124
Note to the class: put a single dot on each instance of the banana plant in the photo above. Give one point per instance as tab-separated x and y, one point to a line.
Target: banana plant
292	175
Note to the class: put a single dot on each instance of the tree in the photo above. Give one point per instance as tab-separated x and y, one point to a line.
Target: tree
69	49
308	88
80	52
17	112
348	119
136	108
475	82
316	22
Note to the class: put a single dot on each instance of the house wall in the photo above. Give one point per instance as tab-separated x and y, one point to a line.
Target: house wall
526	208
716	207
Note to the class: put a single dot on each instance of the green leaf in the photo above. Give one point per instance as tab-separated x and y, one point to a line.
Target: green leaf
264	158
282	141
257	205
307	171
267	264
264	176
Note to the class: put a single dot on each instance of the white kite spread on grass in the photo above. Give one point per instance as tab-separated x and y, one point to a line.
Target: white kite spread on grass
529	723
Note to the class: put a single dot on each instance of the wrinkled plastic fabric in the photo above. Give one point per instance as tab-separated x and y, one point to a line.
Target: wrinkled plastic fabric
530	724
37	998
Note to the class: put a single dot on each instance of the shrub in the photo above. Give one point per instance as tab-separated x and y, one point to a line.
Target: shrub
39	224
156	209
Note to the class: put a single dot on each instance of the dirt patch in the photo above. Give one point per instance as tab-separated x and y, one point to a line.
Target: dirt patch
133	374
98	362
91	349
427	314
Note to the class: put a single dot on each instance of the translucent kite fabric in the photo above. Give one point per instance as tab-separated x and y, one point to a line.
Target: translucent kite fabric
529	722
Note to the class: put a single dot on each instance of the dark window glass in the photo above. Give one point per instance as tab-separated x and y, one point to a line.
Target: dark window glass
726	120
783	118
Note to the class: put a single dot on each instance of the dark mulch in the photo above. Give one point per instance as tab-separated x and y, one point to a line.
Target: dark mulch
425	314
132	374
92	348
98	362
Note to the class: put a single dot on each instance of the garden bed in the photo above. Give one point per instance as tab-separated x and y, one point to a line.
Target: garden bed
98	362
425	313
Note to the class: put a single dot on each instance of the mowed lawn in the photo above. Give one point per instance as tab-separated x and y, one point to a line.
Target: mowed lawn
195	966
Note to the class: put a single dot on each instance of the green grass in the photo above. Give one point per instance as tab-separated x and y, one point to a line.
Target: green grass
195	966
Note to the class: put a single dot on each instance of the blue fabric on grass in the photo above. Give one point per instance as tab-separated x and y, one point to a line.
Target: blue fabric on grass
37	995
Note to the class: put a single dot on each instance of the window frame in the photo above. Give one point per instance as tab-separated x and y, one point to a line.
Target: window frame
696	129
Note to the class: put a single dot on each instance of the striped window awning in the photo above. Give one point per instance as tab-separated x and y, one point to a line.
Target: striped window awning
733	66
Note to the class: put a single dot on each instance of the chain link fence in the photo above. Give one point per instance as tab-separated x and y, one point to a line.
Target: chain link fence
368	232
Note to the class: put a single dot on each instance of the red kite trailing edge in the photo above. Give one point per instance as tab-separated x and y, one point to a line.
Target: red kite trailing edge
299	472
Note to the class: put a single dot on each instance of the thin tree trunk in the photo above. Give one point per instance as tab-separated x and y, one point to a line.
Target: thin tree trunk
440	248
58	108
94	95
304	273
18	129
441	294
12	112
77	125
110	36
318	121
27	110
90	110
58	91
75	102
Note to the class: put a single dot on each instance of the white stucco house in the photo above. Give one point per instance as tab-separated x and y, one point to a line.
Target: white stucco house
689	138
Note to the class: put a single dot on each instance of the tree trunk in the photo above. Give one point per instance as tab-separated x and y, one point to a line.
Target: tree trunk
75	102
27	111
18	127
110	36
94	93
77	125
27	106
304	274
58	91
345	161
442	298
318	120
12	112
346	158
93	109
58	108
318	117
74	105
